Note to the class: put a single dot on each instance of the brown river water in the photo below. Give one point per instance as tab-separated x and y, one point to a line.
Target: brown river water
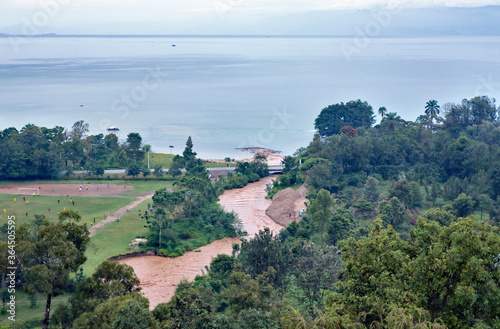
159	275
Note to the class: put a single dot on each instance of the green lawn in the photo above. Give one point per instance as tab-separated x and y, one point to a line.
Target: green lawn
26	316
114	239
159	159
165	160
88	207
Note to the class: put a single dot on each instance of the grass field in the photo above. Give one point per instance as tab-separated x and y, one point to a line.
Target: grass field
88	207
112	240
27	316
159	159
165	160
115	238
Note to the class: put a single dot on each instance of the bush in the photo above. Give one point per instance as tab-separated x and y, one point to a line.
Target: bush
185	235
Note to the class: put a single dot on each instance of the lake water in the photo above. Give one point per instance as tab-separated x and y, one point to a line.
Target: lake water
232	92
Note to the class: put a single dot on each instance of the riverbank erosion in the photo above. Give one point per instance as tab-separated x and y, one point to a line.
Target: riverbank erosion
160	276
287	205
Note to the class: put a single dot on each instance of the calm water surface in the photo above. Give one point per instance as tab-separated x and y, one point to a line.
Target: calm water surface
232	92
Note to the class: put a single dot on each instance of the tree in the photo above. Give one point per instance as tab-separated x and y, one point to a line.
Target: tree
188	152
79	129
175	168
484	203
354	114
48	258
483	109
134	146
349	131
443	217
391	121
454	271
321	214
371	189
316	270
408	193
158	171
158	221
432	109
122	312
263	252
147	148
471	112
111	142
392	212
221	266
289	163
133	169
341	224
382	111
145	172
123	158
110	279
463	205
373	274
185	312
253	318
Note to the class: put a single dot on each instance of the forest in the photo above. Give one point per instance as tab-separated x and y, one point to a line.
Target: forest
401	231
43	153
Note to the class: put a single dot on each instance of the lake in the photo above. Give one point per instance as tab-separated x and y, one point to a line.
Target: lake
229	92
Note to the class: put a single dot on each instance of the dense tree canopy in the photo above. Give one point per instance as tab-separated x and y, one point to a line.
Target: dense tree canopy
354	114
40	152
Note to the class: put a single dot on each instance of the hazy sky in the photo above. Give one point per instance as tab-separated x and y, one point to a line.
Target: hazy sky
169	16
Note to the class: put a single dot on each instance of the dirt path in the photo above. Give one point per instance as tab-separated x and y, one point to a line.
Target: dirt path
120	212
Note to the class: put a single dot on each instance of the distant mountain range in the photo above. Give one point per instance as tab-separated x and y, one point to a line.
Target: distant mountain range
408	22
435	21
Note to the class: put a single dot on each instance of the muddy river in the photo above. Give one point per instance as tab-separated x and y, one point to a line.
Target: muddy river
159	275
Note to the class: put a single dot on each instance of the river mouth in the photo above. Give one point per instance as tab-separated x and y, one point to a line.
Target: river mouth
160	276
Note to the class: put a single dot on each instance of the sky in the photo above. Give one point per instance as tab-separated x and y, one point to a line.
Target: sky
173	16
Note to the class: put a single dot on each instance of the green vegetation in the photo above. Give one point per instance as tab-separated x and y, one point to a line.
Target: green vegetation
88	207
44	153
160	159
393	237
333	118
46	253
29	315
401	231
188	217
115	239
246	172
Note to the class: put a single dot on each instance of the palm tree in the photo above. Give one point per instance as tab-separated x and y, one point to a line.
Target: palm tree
382	111
391	121
26	127
432	109
424	119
